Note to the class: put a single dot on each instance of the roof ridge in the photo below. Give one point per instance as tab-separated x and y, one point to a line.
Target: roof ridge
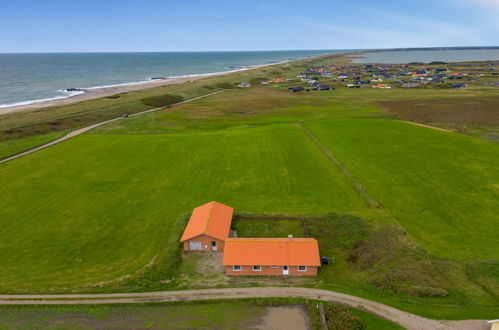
207	220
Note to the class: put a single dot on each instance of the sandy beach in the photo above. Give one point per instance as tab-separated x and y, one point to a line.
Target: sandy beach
94	93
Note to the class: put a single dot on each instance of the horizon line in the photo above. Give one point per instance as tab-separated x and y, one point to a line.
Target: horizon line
255	51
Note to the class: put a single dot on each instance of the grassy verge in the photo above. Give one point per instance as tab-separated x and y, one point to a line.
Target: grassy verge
239	313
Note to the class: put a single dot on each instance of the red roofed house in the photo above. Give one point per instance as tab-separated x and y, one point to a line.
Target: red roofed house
208	228
271	256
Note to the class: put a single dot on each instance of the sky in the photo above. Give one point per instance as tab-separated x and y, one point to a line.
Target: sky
212	25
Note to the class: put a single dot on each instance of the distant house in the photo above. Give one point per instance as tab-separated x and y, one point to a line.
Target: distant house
208	228
381	86
409	85
271	256
324	88
459	85
244	84
276	80
296	89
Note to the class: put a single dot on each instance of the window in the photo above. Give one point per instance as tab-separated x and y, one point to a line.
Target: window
302	268
257	268
236	268
274	266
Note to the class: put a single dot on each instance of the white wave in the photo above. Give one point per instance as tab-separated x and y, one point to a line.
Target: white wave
18	104
147	81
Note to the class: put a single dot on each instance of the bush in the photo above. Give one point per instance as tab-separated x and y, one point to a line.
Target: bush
340	318
426	291
224	85
162	100
113	97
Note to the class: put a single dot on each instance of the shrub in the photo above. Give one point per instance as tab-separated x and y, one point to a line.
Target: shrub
426	291
162	100
224	85
340	318
113	97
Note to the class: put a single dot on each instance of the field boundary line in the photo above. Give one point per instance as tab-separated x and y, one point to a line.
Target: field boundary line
91	127
370	201
405	319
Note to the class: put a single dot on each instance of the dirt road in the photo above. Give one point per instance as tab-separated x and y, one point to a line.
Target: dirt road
405	319
91	127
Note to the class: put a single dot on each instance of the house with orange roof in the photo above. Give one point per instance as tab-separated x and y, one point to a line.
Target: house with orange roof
208	228
271	256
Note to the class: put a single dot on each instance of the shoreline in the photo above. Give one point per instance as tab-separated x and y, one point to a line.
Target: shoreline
97	92
90	93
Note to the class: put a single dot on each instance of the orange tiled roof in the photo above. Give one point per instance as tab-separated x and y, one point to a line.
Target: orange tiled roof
212	219
271	251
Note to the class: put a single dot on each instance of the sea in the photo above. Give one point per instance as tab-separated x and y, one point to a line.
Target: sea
430	55
38	77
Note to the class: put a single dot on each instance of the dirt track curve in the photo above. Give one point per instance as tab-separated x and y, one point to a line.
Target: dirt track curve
405	319
91	127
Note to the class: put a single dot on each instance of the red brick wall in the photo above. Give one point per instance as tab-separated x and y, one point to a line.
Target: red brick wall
268	271
205	243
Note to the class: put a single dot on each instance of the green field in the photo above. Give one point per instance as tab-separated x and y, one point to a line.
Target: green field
12	147
109	194
103	212
441	187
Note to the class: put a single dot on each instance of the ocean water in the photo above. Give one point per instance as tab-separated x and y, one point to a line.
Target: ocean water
430	55
31	78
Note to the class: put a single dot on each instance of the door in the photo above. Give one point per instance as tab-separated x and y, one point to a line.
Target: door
213	246
194	246
285	270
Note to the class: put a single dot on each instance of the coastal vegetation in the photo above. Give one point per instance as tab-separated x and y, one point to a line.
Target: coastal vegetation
103	212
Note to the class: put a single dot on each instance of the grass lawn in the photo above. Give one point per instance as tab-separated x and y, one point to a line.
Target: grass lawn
268	228
374	322
12	147
441	187
73	215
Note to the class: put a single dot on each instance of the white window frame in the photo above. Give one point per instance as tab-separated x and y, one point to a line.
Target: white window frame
257	270
302	270
234	268
274	266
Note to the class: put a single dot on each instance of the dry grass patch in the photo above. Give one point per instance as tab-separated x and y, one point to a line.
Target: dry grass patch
462	111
